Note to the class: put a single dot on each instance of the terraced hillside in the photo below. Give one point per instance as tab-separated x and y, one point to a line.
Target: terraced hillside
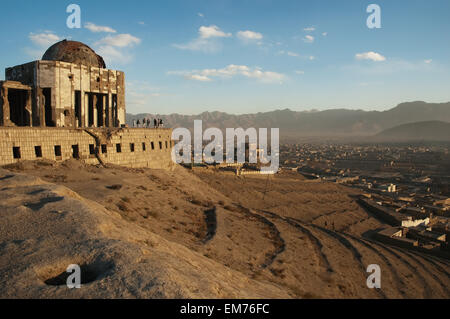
274	237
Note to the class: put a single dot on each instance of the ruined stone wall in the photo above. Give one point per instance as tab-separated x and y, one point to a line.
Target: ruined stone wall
64	79
157	152
25	73
92	145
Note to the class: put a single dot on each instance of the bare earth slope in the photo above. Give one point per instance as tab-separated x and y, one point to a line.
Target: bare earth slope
202	233
45	227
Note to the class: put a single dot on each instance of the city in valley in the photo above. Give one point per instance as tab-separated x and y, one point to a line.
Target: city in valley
404	185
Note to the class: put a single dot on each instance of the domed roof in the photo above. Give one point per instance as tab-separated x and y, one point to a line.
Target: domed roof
74	52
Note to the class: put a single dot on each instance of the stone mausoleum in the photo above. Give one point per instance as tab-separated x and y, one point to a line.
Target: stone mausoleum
69	105
69	87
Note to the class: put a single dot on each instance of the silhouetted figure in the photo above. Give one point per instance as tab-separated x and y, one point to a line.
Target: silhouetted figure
155	123
138	123
148	123
134	123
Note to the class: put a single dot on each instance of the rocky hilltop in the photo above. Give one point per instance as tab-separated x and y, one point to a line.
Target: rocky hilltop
142	233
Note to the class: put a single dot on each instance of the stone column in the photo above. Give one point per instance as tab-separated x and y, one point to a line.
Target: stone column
110	110
29	109
41	107
82	110
1	106
6	109
86	110
104	106
94	106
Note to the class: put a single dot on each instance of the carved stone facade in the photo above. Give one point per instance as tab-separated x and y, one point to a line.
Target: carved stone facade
68	105
49	93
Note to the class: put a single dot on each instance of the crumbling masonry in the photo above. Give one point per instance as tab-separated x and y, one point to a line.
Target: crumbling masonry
68	105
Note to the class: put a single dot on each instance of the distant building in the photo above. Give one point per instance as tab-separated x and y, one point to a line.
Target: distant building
411	222
396	236
392	188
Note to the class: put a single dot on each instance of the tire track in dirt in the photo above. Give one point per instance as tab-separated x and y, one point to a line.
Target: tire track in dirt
316	243
437	265
435	261
347	227
354	251
415	258
427	293
311	221
278	241
416	255
398	281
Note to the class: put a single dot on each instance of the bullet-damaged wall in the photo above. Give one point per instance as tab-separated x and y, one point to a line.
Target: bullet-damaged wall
136	148
76	95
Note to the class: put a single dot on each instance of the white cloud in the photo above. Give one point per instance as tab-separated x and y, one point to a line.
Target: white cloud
98	28
207	75
212	31
309	39
206	40
325	34
300	72
296	55
114	48
428	61
112	54
141	22
44	39
197	77
309	29
289	53
373	56
204	45
249	35
201	15
120	40
41	41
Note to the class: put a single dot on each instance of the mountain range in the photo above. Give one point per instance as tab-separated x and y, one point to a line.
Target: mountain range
333	123
418	131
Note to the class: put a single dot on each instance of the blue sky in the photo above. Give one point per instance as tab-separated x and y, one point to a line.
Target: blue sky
249	56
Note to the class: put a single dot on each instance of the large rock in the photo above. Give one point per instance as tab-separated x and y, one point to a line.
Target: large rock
44	228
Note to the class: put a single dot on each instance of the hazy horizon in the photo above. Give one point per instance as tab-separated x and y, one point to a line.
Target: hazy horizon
249	57
305	110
